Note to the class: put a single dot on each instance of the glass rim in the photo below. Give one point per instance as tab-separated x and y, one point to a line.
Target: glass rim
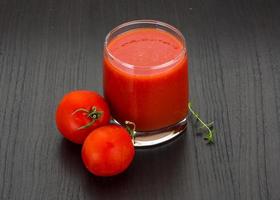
151	22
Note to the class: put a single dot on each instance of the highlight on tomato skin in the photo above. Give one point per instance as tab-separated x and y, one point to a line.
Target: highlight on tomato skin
80	112
108	151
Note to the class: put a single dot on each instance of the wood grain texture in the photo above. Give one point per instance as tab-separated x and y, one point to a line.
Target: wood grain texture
48	48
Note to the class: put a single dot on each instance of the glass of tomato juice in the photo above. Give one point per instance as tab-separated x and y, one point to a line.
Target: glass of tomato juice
145	79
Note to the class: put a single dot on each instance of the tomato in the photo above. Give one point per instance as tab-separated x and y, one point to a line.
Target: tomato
79	113
108	150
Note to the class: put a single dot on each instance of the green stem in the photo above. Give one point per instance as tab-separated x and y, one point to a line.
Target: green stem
131	130
209	136
92	114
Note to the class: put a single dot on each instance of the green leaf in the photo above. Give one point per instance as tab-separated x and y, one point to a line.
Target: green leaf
208	126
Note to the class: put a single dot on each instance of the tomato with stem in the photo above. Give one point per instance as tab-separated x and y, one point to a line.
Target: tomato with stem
80	112
108	150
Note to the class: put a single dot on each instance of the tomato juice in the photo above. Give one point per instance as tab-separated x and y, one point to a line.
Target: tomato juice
145	77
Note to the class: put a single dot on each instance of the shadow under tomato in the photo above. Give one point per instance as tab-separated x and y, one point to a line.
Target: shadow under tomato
154	168
70	156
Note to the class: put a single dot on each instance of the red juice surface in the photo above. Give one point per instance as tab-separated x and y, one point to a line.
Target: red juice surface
146	78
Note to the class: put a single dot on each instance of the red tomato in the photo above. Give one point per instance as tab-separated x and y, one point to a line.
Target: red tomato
108	150
79	113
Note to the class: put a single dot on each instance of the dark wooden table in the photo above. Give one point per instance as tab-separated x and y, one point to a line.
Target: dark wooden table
48	48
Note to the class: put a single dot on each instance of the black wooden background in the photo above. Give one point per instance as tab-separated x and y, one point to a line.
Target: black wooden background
49	47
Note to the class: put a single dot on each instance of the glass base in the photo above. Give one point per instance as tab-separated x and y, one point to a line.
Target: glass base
151	138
